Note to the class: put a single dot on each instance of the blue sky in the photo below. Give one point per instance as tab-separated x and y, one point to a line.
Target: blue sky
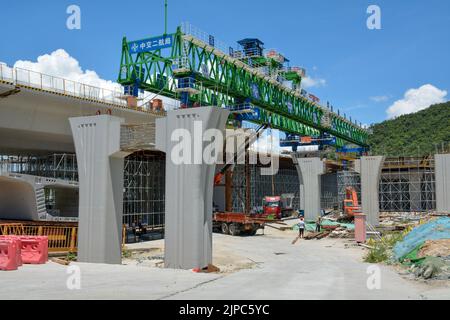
363	72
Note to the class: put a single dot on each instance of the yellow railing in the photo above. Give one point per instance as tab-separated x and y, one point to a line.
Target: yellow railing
60	239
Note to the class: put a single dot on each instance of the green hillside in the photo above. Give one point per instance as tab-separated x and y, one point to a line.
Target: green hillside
413	134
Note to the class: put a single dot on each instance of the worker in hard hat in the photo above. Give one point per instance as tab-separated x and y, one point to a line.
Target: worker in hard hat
318	222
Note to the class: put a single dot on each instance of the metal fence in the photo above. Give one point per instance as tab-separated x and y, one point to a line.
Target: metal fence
60	239
38	80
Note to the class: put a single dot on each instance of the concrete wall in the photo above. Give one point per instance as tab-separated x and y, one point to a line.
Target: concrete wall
20	194
17	200
442	172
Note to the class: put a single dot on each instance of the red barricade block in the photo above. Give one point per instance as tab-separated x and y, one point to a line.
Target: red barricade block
34	249
18	242
8	256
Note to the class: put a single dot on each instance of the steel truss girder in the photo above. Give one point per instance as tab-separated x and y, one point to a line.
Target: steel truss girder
224	81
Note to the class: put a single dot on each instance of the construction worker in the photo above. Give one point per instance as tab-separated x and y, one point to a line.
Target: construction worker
301	227
318	222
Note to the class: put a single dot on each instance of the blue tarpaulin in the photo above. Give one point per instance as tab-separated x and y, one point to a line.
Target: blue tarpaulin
433	230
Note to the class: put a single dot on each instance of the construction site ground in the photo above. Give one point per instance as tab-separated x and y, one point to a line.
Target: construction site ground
260	267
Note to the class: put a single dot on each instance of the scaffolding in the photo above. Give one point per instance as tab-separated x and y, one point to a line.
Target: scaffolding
144	182
408	185
329	191
284	182
58	166
144	197
347	179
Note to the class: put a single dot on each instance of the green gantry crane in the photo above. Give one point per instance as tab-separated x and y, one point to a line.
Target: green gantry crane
256	87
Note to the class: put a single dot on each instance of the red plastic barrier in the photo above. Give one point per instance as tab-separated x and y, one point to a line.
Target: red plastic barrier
34	249
8	256
18	242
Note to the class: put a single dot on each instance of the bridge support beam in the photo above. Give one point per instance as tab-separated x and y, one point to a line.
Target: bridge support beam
189	185
309	172
100	171
442	173
369	169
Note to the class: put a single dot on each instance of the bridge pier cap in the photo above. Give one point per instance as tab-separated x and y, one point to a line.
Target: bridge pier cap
187	138
100	169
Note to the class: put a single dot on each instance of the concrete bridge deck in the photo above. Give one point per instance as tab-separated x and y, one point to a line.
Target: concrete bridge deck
35	108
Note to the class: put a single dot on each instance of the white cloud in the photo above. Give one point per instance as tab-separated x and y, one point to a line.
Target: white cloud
416	100
60	64
268	142
309	82
379	98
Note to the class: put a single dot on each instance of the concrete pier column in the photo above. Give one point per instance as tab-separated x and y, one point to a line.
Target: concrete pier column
369	169
309	170
301	194
442	174
189	183
100	171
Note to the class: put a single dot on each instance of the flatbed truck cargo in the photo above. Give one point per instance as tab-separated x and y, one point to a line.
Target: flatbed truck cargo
238	223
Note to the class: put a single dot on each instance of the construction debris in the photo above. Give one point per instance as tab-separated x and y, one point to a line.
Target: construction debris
209	269
432	267
433	230
60	261
426	249
317	235
343	233
435	248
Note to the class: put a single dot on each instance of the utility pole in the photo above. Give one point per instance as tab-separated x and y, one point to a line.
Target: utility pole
165	17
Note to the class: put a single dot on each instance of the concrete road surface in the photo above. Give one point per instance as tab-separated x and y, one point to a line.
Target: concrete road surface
265	267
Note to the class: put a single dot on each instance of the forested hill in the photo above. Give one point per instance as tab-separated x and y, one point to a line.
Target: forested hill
413	134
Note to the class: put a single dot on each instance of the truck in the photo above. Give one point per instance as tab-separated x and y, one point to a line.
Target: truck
277	207
235	223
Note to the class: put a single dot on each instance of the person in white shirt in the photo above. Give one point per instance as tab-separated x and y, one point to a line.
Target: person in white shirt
301	227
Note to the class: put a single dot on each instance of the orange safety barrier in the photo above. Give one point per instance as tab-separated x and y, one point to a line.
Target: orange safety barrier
18	247
34	250
8	255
